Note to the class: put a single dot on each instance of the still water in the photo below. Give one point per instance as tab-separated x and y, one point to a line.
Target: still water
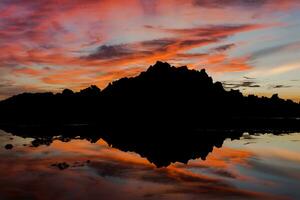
260	166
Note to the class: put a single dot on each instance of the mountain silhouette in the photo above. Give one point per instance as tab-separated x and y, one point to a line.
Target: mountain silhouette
162	96
166	114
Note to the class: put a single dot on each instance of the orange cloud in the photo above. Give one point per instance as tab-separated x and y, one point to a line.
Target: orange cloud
28	71
73	34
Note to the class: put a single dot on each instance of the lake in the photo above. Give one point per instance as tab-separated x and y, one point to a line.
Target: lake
256	166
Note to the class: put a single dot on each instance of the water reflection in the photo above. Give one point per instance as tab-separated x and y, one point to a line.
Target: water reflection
161	146
253	167
164	148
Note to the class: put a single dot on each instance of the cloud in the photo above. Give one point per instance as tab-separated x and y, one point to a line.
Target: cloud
158	44
223	3
28	71
248	78
242	84
113	170
105	37
281	69
247	4
178	181
274	50
216	31
109	52
147	52
220	63
279	86
224	47
131	50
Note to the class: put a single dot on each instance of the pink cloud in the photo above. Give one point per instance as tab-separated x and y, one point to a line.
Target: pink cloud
70	34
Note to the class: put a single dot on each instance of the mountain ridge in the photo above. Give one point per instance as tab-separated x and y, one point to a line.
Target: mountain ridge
163	95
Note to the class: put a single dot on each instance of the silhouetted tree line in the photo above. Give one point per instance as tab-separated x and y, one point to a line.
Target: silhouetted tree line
163	95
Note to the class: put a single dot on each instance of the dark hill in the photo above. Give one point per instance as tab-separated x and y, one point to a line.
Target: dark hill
166	95
161	96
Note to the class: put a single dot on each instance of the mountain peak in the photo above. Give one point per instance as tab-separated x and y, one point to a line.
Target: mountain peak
160	77
163	70
159	66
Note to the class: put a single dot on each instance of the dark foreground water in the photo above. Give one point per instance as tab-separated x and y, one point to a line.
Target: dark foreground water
254	167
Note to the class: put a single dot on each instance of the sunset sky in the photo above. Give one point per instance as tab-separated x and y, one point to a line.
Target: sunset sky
48	45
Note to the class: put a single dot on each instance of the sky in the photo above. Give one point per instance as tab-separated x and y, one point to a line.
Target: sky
48	45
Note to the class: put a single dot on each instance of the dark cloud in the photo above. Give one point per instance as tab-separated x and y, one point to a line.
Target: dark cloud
226	3
110	51
138	49
147	48
213	30
191	55
115	169
224	173
149	173
174	47
197	42
149	26
158	44
224	47
248	78
279	86
246	143
248	137
242	84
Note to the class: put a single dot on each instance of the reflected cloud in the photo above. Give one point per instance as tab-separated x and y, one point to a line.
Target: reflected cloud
108	167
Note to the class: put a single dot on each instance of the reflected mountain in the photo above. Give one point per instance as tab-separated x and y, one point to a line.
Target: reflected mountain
161	146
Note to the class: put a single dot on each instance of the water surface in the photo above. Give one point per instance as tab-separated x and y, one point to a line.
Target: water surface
260	166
